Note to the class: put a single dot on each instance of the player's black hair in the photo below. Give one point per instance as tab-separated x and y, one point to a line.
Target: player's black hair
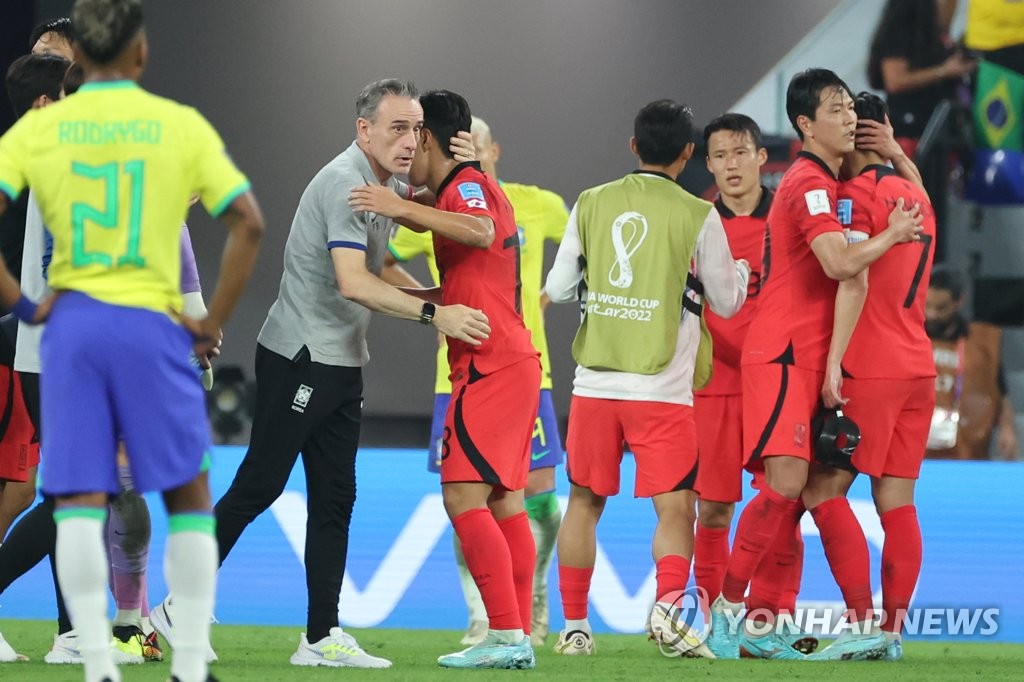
73	79
947	278
104	28
662	130
870	107
61	26
32	76
804	93
445	114
734	123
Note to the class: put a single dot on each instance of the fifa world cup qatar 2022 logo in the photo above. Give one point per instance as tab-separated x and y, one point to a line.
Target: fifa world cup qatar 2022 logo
628	232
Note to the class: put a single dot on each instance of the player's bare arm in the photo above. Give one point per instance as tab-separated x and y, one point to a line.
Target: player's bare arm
358	284
876	137
245	230
471	230
849	303
841	261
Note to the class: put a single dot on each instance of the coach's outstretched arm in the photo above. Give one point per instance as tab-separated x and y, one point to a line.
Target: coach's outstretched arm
358	284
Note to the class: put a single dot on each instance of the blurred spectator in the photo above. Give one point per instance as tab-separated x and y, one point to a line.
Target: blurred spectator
995	32
971	397
912	59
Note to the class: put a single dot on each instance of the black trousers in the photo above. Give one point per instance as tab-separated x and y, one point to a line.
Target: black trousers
312	409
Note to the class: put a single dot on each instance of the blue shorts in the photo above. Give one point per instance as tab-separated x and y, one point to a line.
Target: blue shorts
117	373
545	449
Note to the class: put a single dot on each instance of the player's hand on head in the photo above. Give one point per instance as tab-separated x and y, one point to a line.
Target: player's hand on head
905	222
878	137
462	323
376	199
831	389
462	147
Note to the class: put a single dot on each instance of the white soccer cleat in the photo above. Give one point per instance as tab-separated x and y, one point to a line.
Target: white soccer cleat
668	629
161	618
575	643
337	650
64	650
8	654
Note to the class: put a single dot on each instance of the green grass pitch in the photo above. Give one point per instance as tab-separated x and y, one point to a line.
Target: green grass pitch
261	654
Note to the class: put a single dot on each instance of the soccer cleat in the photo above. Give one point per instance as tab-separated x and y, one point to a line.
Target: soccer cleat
853	647
725	624
893	650
8	654
64	650
539	617
770	646
789	631
337	650
161	620
151	650
130	642
492	653
575	643
475	633
666	628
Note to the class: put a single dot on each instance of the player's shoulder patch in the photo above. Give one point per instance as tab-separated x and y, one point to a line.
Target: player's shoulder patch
470	190
817	202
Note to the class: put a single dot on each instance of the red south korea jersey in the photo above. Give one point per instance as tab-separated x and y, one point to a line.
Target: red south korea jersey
793	323
486	279
746	240
889	341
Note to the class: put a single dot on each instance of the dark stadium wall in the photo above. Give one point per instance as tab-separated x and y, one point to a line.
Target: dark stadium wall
558	80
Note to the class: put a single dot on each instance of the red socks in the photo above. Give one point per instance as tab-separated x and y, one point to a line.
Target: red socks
672	571
490	563
846	549
519	538
574	586
901	564
777	580
710	558
755	533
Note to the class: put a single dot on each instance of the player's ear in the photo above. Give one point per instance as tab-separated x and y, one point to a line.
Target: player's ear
496	151
632	146
804	124
687	152
426	138
762	156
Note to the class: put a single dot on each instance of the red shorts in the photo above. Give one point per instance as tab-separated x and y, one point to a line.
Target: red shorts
662	437
719	420
894	416
19	444
489	426
779	403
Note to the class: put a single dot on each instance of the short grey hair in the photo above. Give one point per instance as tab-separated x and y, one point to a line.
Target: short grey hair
104	28
369	99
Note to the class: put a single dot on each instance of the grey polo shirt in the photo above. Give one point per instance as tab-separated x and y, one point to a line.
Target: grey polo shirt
310	310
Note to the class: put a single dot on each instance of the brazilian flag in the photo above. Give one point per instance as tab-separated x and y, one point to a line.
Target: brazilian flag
999	108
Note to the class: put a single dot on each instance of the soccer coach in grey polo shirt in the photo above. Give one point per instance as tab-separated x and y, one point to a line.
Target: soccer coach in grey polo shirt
311	350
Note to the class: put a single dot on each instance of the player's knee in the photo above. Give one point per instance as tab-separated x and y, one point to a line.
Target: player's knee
715	514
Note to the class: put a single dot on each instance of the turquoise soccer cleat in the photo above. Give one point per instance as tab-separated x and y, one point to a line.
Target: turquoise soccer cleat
492	653
771	646
853	647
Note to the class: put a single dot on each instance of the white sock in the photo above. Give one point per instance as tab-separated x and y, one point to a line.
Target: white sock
583	625
128	617
545	535
83	572
190	565
471	593
508	636
145	625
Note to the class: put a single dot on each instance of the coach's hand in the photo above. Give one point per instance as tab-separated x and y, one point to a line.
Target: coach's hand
831	389
905	224
462	323
462	148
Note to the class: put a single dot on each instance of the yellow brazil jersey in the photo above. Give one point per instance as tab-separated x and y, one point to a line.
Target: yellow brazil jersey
112	168
541	216
994	24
